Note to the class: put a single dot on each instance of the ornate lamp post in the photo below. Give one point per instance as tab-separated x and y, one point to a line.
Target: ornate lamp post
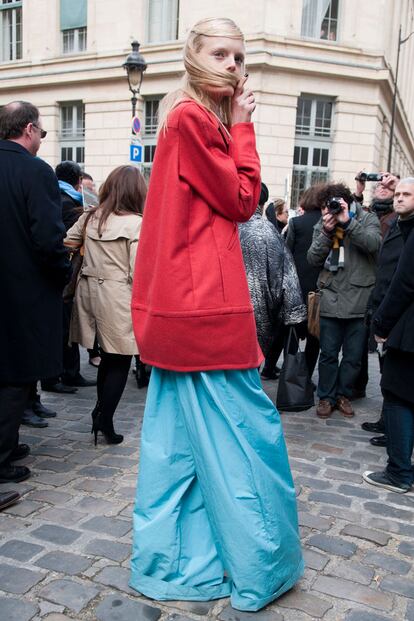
401	41
135	66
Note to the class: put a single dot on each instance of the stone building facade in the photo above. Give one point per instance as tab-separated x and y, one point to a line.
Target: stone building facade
323	72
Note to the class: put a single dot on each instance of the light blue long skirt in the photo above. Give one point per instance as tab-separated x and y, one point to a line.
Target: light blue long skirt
215	511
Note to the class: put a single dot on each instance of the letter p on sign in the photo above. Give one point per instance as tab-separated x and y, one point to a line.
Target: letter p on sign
135	153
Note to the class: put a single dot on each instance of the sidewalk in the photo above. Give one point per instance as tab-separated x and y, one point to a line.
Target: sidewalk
64	549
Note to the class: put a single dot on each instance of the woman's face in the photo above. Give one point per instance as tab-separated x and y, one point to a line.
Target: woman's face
283	215
222	54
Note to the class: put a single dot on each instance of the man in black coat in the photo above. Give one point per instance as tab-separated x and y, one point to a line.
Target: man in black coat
34	270
393	324
389	255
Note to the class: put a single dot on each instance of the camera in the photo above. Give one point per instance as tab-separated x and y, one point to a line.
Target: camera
334	206
368	177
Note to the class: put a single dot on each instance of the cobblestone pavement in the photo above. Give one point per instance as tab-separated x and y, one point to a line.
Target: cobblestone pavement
64	549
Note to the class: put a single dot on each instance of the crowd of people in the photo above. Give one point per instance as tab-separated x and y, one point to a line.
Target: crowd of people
200	281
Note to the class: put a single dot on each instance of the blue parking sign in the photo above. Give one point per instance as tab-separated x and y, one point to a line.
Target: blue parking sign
135	153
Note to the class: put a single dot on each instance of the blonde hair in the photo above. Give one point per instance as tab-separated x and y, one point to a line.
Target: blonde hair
197	77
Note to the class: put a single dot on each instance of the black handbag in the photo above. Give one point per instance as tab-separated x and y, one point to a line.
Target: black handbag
295	389
76	259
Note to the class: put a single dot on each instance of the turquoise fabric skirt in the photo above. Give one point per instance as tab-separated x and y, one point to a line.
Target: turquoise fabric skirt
215	511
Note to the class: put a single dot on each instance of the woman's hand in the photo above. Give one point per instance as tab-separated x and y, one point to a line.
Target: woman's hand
243	103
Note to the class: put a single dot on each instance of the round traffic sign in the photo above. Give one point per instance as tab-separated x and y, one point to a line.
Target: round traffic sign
136	125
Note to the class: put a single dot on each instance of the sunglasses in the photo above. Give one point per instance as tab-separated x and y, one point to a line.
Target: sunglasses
43	132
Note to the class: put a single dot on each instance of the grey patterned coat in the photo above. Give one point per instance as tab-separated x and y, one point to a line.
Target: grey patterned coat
272	279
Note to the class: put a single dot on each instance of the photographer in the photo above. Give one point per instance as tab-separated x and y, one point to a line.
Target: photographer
345	244
382	203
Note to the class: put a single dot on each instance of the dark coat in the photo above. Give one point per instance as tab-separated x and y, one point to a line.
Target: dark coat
394	319
271	216
389	255
71	210
299	240
34	267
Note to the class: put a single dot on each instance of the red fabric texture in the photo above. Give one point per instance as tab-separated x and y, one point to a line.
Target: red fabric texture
191	306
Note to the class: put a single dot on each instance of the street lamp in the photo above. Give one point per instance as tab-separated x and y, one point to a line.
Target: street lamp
394	99
135	66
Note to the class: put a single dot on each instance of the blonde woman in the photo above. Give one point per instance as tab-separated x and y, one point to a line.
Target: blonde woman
215	511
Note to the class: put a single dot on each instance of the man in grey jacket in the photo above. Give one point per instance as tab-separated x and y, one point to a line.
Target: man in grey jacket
345	244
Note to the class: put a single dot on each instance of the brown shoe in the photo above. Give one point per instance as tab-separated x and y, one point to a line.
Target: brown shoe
324	409
344	406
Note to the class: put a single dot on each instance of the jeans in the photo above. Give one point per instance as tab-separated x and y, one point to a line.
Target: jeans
399	427
337	379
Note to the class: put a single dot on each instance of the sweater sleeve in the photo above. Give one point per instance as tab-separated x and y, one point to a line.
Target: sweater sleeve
229	182
293	309
320	247
365	235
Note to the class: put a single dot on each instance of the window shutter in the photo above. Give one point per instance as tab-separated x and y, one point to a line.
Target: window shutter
73	14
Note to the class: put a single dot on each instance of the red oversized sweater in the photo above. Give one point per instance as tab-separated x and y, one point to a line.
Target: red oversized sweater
191	307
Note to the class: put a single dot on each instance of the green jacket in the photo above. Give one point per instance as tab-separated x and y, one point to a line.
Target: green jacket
345	293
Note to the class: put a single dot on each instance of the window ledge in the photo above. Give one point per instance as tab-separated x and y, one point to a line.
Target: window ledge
12	63
74	54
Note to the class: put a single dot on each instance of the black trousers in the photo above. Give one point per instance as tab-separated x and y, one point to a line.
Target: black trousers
362	378
112	377
13	400
70	353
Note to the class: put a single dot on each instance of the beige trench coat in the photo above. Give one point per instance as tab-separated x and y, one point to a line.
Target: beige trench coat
102	303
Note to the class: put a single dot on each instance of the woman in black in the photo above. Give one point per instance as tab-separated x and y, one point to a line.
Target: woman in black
299	239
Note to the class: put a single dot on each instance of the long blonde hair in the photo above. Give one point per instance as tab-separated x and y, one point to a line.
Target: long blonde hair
197	77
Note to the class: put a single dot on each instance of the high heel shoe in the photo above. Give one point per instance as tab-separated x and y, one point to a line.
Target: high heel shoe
107	431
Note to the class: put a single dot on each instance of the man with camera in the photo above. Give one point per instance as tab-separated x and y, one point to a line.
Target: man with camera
345	244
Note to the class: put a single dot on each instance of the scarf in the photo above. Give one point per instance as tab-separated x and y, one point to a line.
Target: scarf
336	257
70	190
383	207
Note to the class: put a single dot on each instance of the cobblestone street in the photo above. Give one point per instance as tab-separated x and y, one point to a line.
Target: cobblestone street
64	549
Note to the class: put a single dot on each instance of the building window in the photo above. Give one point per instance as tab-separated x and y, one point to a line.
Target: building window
162	20
10	30
320	19
74	40
72	132
73	23
149	133
312	144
